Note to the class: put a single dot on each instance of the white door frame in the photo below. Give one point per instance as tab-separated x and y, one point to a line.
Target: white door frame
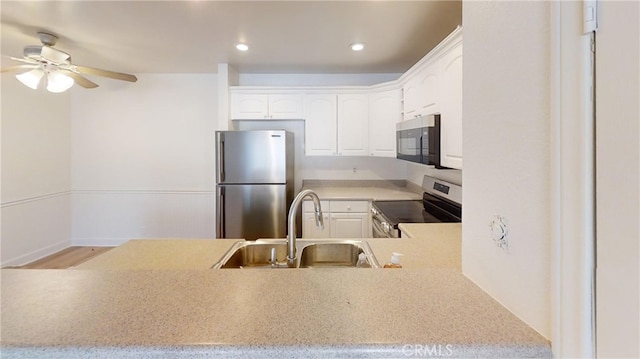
573	190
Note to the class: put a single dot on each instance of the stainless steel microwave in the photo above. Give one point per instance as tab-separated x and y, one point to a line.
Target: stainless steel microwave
418	140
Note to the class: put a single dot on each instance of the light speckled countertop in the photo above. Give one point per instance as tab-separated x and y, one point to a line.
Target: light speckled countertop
183	310
364	190
442	251
165	254
431	230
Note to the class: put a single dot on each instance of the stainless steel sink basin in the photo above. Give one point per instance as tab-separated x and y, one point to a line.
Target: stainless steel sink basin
252	255
311	254
330	255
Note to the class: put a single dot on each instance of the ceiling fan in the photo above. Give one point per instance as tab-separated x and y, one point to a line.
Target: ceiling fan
61	74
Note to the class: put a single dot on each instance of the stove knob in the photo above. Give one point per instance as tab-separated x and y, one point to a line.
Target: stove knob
386	227
374	211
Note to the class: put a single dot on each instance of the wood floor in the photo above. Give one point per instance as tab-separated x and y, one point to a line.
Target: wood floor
66	258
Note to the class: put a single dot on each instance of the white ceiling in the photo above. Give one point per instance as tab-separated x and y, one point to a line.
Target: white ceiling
194	36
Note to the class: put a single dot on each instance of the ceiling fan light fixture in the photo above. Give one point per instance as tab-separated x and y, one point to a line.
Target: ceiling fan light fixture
31	78
58	82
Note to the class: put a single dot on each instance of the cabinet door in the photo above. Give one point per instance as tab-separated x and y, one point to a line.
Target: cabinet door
410	97
451	107
249	106
384	113
285	106
320	126
429	89
353	121
309	228
350	225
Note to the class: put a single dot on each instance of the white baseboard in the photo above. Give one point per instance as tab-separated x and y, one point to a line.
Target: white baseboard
98	242
35	255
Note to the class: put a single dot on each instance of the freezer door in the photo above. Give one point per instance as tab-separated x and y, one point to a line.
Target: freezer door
252	157
252	211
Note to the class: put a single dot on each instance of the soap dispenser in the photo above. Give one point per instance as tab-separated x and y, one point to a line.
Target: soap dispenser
395	261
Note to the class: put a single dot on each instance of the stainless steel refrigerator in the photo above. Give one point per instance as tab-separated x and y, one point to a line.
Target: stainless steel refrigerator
255	176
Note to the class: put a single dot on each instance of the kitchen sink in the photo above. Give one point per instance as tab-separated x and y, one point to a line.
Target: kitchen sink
252	255
311	254
330	255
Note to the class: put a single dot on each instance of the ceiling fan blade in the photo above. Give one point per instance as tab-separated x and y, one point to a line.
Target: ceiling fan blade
79	79
18	67
55	55
20	59
106	73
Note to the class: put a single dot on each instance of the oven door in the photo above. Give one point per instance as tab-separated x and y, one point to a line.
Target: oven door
378	232
382	229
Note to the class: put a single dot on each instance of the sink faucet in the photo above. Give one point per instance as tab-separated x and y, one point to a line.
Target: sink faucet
291	236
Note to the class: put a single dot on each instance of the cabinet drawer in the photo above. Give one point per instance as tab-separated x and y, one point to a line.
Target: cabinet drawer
307	206
349	206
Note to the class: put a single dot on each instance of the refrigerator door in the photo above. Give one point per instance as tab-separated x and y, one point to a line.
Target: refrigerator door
252	211
252	157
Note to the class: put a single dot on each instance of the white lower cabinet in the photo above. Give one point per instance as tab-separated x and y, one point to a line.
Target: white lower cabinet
350	225
342	219
311	230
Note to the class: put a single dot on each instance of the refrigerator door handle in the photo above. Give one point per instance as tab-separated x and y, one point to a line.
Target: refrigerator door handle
221	158
220	210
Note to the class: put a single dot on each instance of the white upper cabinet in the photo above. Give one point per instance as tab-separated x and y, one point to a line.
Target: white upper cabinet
285	106
451	107
421	92
385	110
434	85
249	106
320	127
411	97
353	124
261	106
428	80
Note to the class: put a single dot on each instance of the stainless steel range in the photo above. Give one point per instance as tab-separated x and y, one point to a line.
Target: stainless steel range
441	203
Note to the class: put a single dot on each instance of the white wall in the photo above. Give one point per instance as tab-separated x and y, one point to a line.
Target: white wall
143	159
506	123
618	180
416	172
36	172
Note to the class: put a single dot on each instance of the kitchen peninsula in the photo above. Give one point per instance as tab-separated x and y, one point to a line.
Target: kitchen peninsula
149	298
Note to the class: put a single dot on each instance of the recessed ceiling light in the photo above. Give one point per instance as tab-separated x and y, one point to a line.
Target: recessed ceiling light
357	46
242	47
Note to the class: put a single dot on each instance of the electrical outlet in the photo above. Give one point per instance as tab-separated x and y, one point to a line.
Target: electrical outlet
499	232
